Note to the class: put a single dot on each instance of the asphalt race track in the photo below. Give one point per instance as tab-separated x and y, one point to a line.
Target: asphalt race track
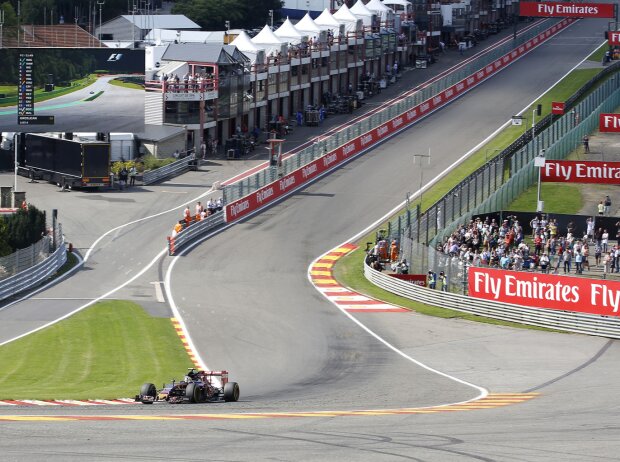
250	308
117	109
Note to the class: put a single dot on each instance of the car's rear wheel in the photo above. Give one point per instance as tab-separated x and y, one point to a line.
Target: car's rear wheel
231	392
193	393
148	389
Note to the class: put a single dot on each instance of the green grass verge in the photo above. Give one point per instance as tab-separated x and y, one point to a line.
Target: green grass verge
106	351
120	83
41	95
597	55
96	95
558	198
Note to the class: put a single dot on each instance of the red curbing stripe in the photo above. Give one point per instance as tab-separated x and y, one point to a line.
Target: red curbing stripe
377	310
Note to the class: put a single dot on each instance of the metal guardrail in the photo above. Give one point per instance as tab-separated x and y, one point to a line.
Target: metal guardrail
34	275
173	169
569	321
194	231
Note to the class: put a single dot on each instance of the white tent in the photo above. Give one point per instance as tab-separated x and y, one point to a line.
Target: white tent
307	26
360	11
344	16
267	40
326	21
379	9
289	33
244	43
399	6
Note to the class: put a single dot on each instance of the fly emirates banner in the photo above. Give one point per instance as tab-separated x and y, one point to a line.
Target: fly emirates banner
567	10
539	290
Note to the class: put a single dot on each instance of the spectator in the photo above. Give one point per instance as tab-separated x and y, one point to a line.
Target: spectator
586	144
431	279
601	208
604	240
607	204
133	172
544	262
444	281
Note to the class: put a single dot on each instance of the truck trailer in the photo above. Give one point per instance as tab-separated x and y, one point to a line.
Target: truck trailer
66	162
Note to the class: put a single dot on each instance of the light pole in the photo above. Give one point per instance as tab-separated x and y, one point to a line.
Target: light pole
1	23
419	210
227	25
271	19
100	3
539	161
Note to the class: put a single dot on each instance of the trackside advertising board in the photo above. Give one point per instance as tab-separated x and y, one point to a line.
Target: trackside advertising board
567	10
574	171
613	38
549	291
609	122
248	204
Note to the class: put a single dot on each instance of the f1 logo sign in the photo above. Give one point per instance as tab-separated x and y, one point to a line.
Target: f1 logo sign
557	108
115	57
613	38
609	122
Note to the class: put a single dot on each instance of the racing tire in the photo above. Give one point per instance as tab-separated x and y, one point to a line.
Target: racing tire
148	389
193	393
231	392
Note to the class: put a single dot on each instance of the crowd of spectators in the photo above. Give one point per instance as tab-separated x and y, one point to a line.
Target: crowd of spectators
504	245
188	82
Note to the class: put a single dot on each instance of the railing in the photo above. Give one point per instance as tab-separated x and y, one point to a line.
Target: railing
561	320
173	169
34	275
181	86
23	259
345	135
194	231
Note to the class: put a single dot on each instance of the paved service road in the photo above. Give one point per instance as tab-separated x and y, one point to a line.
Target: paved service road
250	308
117	109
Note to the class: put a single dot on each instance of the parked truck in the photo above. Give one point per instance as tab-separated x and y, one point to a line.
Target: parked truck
68	163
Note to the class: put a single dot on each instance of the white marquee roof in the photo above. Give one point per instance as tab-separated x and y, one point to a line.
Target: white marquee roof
289	33
360	11
344	16
308	25
379	8
326	21
244	43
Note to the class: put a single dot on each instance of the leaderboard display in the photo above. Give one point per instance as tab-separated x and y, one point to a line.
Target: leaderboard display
72	90
25	94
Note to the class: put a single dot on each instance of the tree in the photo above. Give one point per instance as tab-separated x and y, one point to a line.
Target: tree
10	17
25	227
212	14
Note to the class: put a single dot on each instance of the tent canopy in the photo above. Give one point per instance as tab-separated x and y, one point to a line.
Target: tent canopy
288	32
308	26
360	11
326	21
344	16
267	39
379	9
244	43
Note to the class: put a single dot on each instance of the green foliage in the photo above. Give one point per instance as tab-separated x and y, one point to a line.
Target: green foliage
152	162
106	351
10	16
40	11
118	166
212	14
24	227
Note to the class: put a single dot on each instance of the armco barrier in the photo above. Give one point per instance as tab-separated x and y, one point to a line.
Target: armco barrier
173	169
193	231
34	275
296	179
561	320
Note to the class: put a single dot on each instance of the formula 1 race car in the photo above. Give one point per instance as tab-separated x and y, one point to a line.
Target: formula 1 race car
196	387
